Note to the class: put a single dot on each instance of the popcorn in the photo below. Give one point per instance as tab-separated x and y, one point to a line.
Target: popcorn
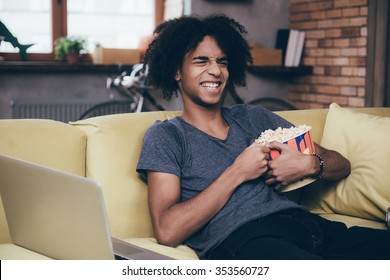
282	135
298	138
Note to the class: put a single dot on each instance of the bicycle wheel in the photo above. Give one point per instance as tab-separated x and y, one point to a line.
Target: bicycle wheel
273	104
110	107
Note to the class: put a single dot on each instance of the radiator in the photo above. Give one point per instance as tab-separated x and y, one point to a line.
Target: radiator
63	110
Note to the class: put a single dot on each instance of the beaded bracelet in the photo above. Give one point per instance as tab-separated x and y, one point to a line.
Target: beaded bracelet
322	165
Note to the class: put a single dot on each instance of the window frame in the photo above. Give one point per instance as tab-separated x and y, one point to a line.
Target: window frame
377	90
59	29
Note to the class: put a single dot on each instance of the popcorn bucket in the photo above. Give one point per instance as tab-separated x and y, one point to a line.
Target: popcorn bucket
303	143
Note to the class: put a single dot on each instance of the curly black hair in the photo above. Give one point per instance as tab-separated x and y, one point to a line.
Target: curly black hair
173	39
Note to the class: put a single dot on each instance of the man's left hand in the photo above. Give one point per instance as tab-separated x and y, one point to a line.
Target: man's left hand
289	167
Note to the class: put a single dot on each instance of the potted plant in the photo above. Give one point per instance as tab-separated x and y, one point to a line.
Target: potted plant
69	48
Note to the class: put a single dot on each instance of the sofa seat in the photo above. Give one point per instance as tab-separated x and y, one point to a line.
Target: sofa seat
181	252
351	221
9	251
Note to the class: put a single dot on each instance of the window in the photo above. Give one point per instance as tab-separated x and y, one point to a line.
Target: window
112	24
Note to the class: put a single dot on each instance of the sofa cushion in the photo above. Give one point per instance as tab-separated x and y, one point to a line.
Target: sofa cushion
45	142
362	138
113	148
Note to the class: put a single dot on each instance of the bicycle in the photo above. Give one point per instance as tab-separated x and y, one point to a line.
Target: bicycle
134	91
132	87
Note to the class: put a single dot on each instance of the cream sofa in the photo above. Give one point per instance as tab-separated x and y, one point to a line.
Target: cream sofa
106	149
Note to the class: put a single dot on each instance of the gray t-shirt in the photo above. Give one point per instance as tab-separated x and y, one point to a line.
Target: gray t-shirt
176	147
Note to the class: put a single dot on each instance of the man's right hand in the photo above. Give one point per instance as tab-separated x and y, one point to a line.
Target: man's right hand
253	161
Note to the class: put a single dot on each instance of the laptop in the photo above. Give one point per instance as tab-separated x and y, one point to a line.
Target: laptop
60	215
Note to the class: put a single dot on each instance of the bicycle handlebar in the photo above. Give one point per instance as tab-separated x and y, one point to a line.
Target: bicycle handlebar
129	84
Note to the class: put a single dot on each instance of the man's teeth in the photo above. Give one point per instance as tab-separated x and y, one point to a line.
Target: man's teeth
210	85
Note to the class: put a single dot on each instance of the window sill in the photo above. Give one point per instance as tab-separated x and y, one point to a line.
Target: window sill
59	67
88	67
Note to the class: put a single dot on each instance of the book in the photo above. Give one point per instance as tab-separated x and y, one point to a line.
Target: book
281	41
291	42
299	48
291	48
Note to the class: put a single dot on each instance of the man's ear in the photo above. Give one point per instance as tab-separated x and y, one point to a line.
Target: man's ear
177	76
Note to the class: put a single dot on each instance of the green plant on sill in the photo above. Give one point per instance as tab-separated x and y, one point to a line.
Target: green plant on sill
64	46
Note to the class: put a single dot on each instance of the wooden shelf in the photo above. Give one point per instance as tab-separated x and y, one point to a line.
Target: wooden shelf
281	71
85	67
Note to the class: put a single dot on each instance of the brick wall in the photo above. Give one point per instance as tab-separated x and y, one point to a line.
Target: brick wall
336	47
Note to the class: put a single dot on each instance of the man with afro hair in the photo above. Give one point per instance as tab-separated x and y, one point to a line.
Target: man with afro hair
210	185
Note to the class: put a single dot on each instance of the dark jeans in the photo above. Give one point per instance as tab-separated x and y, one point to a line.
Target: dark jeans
297	234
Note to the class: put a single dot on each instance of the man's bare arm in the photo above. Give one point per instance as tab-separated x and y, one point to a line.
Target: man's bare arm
336	166
292	165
